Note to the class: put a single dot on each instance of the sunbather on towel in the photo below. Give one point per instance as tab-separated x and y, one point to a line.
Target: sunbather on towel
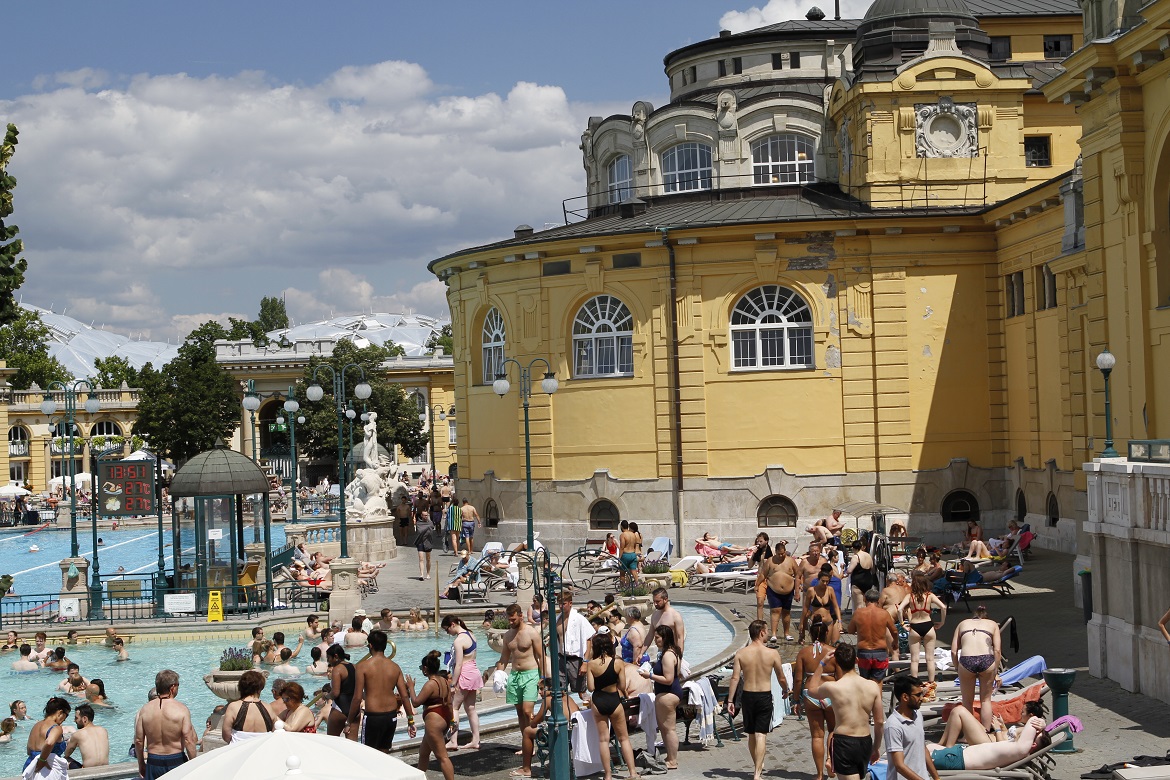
964	725
992	755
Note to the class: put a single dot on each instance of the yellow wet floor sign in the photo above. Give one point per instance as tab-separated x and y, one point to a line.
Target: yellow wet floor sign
215	607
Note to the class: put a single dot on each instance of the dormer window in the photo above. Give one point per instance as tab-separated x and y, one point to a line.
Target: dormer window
620	179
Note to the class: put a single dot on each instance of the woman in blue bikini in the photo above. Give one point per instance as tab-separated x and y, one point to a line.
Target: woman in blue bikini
975	652
46	738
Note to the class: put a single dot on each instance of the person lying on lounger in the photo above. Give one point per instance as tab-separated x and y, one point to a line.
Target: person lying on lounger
981	751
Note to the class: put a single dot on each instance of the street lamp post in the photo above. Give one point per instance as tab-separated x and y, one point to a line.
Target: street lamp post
501	387
292	408
69	391
251	404
558	726
429	418
1105	362
361	391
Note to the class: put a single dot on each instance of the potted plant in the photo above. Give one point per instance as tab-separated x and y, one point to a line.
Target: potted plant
496	633
225	682
656	575
636	595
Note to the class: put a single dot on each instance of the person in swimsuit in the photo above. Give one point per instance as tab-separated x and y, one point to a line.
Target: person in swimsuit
918	608
821	601
861	574
605	674
468	679
781	576
247	717
991	754
296	716
74	683
46	737
628	544
815	659
380	686
975	652
435	699
342	677
666	674
856	703
633	641
755	666
164	738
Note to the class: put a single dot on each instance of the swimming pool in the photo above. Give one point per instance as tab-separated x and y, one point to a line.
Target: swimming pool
133	548
127	683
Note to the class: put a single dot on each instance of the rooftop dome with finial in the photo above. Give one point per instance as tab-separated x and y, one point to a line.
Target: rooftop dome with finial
219	472
894	32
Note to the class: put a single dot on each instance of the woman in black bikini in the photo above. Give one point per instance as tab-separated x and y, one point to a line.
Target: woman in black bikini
916	608
821	602
975	652
435	700
816	658
608	691
861	575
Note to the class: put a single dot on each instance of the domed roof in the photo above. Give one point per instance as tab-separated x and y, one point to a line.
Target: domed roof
219	472
882	9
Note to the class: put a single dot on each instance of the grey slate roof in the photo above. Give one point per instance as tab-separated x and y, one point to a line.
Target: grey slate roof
1024	7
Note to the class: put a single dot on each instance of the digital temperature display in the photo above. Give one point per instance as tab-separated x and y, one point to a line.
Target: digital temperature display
126	489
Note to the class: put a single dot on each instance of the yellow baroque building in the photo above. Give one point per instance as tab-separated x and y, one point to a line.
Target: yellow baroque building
846	262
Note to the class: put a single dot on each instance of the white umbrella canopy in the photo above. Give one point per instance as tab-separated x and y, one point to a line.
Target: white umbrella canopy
148	455
10	491
80	478
299	756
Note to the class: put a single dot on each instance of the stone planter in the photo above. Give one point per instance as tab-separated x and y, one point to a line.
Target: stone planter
226	685
495	638
645	604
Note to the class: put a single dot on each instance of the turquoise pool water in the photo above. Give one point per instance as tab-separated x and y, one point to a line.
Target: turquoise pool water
134	549
127	683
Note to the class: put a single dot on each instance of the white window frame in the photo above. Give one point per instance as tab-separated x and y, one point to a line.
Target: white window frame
492	341
776	159
771	320
686	167
103	428
603	325
451	428
620	175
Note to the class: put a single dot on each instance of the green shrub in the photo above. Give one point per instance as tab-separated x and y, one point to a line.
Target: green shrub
235	659
661	567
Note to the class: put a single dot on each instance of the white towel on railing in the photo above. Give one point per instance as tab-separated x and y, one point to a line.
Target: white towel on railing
583	740
648	720
700	693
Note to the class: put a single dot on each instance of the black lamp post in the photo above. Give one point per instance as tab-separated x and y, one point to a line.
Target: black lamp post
429	418
292	407
1105	362
361	391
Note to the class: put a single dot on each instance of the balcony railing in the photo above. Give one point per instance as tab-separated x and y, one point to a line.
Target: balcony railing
17	449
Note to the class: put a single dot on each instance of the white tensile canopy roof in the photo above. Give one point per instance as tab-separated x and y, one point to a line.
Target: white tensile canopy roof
296	756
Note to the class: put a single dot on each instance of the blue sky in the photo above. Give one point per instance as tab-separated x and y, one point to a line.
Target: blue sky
178	161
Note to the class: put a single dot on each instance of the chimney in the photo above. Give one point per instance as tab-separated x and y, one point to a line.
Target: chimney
523	231
632	207
725	33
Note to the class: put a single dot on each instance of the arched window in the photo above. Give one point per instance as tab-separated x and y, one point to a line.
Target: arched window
771	327
603	516
106	428
17	441
493	346
491	513
60	430
1053	510
603	338
783	159
686	167
621	179
960	506
777	512
1021	506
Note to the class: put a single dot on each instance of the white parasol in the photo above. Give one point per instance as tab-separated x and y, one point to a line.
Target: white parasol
80	478
148	455
296	756
11	491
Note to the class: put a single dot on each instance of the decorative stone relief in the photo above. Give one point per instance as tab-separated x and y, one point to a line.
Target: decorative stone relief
845	144
946	129
728	126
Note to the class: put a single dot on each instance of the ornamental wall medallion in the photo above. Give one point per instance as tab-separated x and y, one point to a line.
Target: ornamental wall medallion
946	129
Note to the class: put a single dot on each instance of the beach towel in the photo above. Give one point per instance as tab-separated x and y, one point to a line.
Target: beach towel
1011	710
584	747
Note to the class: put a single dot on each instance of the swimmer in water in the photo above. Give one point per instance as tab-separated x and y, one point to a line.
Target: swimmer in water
95	693
120	647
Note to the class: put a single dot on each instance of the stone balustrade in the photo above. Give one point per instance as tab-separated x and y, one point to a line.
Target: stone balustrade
1128	537
369	540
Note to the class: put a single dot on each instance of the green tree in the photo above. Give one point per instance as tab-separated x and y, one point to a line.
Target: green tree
442	339
113	371
245	330
273	314
398	421
12	265
192	402
24	344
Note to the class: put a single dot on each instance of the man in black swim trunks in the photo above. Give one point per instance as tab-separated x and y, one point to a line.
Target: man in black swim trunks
380	684
782	576
855	701
164	738
756	663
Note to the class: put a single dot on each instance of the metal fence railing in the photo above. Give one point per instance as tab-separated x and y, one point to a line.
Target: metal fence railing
134	599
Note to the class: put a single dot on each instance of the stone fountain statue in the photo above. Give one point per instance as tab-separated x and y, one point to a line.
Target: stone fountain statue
374	489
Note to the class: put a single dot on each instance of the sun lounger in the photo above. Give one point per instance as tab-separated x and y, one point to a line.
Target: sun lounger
1001	585
724	581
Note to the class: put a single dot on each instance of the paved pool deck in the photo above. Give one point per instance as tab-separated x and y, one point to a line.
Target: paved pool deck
1118	724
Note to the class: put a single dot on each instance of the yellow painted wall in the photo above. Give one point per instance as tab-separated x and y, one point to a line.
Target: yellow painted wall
1028	34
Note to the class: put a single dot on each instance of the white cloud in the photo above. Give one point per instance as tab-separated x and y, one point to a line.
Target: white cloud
148	203
784	10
